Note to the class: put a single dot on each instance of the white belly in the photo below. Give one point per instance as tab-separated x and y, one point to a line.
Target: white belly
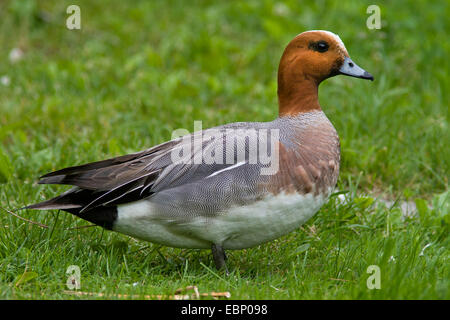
238	228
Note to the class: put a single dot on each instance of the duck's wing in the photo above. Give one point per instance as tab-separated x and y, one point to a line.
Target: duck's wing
136	176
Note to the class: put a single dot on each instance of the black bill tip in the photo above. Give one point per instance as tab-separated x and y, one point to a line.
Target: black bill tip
367	76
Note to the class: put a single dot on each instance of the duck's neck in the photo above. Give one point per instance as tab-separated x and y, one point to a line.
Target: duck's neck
297	97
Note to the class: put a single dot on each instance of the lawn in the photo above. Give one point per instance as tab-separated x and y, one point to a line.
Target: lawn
138	70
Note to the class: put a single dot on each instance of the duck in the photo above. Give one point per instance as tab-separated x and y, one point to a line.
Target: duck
214	188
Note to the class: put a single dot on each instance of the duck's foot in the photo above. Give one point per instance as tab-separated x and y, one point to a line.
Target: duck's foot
219	257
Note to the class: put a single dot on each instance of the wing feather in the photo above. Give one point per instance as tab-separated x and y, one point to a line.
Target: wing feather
135	176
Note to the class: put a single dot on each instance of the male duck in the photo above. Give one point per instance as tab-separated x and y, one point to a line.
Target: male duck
224	204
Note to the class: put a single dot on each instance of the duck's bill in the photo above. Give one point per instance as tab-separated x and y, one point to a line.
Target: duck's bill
349	68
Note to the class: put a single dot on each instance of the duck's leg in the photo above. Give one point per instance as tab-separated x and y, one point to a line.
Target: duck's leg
219	257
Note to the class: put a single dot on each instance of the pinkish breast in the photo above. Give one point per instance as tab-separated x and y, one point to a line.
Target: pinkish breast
308	159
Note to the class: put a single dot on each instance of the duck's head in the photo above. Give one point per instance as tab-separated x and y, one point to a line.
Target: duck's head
310	58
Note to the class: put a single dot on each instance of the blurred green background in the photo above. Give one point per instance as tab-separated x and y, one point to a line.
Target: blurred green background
137	70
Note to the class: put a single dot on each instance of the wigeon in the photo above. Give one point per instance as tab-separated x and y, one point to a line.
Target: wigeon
163	195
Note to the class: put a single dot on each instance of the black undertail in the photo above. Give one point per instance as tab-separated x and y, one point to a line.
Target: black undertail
101	216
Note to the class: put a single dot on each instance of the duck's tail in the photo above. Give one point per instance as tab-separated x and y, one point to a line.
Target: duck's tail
74	201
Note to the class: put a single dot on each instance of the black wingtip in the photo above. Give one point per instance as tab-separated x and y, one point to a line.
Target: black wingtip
51	179
51	205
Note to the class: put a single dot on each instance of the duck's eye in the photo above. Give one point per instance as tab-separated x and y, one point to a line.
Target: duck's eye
320	46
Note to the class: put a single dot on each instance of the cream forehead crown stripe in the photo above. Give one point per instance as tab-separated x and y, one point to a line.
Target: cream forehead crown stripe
331	34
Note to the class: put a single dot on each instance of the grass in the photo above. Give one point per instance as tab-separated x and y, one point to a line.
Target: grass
135	72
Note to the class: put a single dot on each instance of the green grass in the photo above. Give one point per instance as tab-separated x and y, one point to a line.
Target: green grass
138	70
